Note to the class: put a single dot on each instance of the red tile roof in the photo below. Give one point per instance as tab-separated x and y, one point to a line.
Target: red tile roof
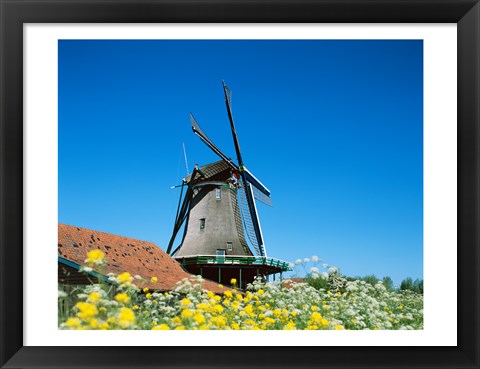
124	254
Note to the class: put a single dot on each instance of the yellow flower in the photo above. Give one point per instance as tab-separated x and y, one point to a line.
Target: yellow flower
314	308
135	307
218	308
161	327
210	294
124	277
103	309
148	295
289	326
177	320
202	306
233	281
93	297
400	307
104	326
269	320
235	326
339	327
260	292
185	302
228	294
73	322
249	310
199	318
220	285
122	297
154	279
86	310
317	318
186	313
93	323
219	321
145	289
293	313
112	319
95	257
126	317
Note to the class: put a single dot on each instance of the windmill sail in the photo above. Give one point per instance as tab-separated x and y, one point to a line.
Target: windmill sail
199	132
246	179
260	192
250	222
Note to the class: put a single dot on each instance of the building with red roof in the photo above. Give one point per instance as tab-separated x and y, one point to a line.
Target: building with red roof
122	254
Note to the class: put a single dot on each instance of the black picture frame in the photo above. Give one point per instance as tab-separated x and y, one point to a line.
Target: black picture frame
15	13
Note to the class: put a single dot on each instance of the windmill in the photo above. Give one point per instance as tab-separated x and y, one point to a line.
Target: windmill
221	215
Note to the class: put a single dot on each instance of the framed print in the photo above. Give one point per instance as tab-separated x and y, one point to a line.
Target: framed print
385	156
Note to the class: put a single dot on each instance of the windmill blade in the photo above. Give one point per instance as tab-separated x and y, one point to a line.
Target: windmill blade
199	132
251	222
260	196
232	125
256	183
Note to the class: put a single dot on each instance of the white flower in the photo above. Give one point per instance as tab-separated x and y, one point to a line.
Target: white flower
306	260
314	269
137	277
61	294
351	286
298	261
315	258
332	269
85	269
324	275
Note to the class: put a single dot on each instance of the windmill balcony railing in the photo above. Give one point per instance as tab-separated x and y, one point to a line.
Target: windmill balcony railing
234	259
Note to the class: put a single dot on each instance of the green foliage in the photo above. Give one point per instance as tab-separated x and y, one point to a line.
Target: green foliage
409	284
388	283
317	282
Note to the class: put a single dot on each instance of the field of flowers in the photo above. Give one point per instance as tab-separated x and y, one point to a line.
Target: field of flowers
282	305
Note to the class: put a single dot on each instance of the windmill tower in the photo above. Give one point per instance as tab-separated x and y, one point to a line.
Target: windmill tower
222	237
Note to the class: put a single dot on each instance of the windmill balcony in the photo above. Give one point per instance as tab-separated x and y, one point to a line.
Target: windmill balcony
222	268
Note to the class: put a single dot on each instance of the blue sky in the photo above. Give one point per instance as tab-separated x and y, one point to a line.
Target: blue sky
333	128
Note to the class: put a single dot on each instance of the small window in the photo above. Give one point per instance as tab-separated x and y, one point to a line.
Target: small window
229	246
220	252
218	193
202	223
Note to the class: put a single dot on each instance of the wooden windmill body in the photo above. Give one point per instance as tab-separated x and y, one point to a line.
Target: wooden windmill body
220	214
